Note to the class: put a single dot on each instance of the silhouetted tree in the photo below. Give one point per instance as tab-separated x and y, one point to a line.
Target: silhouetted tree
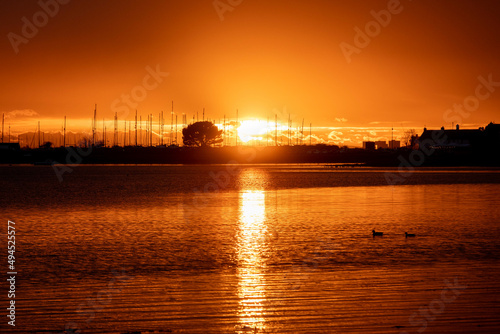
408	134
47	145
201	134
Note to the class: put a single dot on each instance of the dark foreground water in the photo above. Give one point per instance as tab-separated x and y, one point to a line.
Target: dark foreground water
252	249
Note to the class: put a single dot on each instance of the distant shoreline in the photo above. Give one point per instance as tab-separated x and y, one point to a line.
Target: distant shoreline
316	154
305	166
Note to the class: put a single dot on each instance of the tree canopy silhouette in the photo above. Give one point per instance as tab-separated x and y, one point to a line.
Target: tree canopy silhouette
201	134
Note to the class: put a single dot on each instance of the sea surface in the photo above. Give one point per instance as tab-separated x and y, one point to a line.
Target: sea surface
252	249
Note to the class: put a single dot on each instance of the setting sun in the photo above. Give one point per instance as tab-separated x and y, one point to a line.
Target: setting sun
252	130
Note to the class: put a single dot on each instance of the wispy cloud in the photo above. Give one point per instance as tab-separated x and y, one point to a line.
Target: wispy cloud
20	114
391	123
335	135
342	120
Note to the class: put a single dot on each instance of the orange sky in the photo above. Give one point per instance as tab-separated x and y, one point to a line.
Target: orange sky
264	57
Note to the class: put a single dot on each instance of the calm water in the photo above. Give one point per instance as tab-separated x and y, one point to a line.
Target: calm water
253	249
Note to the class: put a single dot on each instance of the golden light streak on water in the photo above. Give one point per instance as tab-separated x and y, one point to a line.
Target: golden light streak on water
250	249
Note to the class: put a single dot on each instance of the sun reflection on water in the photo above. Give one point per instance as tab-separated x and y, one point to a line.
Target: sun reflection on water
250	253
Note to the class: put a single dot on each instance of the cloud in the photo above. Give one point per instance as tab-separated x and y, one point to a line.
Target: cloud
368	138
317	139
335	135
343	120
471	125
20	114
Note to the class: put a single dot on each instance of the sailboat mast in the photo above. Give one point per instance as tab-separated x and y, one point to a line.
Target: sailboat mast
162	128
115	132
172	123
147	131
267	132
64	132
289	129
302	133
275	129
94	126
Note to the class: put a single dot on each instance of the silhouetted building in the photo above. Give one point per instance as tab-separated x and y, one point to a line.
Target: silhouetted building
369	145
461	139
9	147
414	142
393	144
492	134
381	144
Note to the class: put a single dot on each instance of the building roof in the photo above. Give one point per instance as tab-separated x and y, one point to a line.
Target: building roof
459	137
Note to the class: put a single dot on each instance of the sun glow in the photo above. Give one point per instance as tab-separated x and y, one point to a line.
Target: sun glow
253	130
